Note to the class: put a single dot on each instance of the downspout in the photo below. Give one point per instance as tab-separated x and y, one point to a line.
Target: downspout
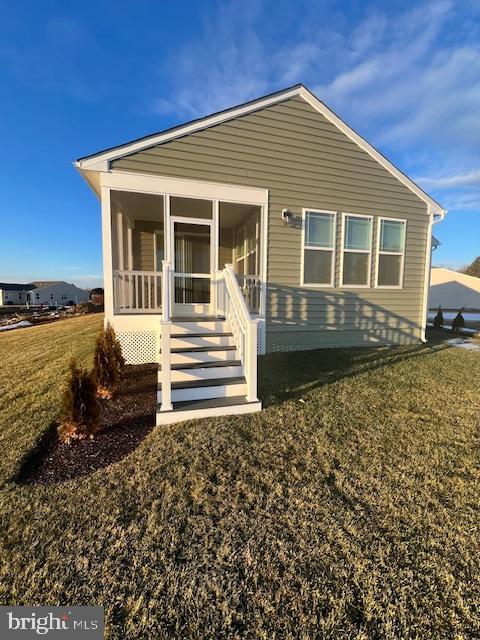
433	219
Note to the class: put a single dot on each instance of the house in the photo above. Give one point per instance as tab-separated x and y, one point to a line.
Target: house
270	226
452	290
56	292
14	293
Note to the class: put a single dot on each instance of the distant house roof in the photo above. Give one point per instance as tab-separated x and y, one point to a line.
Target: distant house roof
13	286
40	284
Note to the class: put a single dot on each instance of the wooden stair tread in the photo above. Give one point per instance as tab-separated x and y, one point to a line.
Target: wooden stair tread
212	382
214	347
205	365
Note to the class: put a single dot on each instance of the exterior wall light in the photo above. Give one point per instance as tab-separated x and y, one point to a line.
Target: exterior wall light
287	217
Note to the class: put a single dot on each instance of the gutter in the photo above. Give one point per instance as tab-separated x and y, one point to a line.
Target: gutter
435	218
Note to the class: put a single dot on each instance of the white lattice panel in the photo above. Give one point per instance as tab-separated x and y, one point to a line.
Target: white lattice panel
138	347
261	337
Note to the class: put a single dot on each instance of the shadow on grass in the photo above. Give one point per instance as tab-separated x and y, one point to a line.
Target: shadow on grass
285	376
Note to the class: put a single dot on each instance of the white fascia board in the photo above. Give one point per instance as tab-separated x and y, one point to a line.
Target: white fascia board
209	121
101	161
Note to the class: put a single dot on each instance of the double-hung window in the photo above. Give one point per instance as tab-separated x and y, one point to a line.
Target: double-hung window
391	252
356	250
319	248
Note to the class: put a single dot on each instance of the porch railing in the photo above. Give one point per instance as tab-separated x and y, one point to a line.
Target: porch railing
165	358
137	291
244	329
251	288
141	291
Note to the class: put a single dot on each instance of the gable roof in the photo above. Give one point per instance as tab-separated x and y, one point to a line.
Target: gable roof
14	286
100	161
40	284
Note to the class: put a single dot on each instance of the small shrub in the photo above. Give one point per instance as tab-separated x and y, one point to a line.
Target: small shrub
438	320
108	362
115	345
458	321
80	411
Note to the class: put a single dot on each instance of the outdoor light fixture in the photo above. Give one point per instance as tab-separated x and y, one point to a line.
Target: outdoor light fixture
287	217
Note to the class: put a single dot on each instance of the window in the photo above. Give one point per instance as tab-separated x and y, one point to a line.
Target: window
357	250
64	296
37	296
246	244
159	250
319	248
391	252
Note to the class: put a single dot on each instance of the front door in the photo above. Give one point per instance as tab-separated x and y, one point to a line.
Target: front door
192	260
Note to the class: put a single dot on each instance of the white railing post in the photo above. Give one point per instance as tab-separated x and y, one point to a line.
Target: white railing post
165	327
251	349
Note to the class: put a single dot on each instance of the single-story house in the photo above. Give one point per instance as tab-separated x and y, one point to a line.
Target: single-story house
453	290
14	293
270	226
56	292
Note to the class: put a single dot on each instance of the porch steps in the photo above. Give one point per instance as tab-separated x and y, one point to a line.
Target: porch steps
207	375
209	408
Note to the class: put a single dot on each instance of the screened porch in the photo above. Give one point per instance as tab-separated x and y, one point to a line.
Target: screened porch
198	237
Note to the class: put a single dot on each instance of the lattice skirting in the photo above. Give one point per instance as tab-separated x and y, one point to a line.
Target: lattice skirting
138	347
261	337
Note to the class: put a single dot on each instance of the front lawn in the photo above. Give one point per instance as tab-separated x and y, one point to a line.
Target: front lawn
348	508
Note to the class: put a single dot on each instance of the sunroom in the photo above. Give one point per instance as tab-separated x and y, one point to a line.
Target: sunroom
198	236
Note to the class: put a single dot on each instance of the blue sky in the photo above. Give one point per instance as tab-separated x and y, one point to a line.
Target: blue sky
76	77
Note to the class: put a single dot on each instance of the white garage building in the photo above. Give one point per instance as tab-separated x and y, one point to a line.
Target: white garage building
453	290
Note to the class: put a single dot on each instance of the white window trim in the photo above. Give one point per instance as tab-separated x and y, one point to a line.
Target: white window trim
343	251
390	253
318	285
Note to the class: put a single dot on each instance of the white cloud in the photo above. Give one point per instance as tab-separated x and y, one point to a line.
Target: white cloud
468	179
408	80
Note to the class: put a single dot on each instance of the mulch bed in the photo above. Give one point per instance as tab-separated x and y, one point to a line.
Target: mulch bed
127	419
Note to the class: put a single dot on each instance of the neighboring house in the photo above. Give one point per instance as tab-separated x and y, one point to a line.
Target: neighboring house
274	215
453	290
14	293
42	292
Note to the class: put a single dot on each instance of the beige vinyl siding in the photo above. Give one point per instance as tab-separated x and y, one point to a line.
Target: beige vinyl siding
225	249
143	245
306	162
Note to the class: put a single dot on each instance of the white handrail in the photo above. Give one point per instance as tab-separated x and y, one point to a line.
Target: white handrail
165	331
244	329
166	290
251	288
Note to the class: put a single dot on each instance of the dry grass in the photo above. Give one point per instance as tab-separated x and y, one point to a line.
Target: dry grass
350	514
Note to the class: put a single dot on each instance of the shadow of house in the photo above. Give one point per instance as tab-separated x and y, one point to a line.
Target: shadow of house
329	321
324	318
286	376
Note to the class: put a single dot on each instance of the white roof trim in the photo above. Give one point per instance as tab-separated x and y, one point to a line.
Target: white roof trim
100	161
